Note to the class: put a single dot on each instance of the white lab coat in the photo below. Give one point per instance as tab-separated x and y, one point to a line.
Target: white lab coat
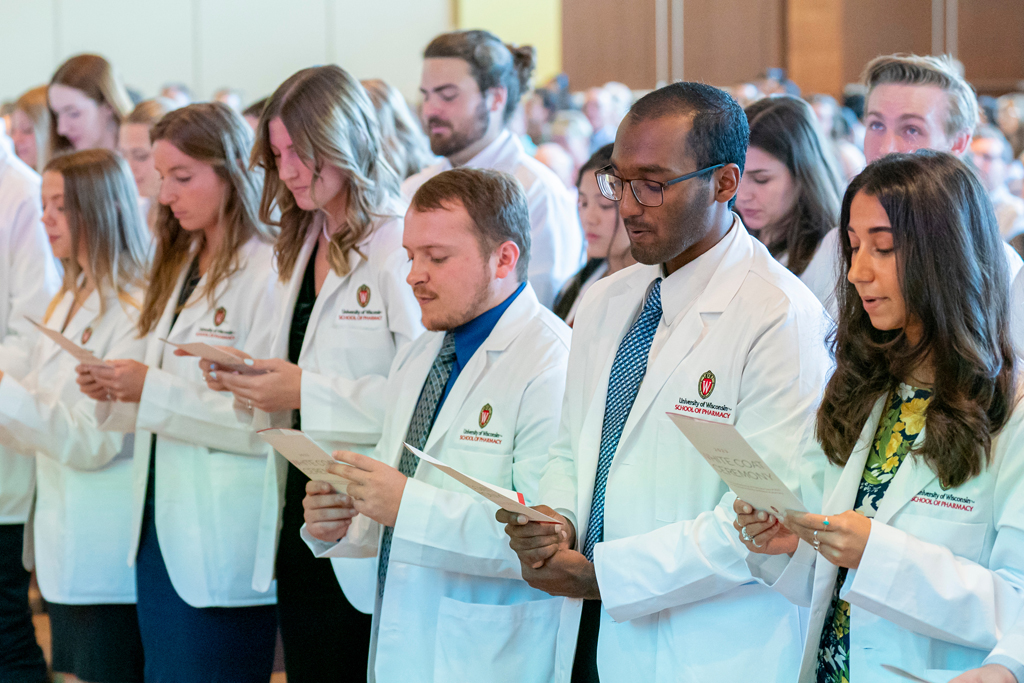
1010	650
29	277
81	523
209	465
455	607
346	355
674	584
942	576
556	246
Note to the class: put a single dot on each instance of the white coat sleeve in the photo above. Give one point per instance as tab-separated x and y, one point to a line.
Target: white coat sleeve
556	240
1010	651
925	588
456	531
351	410
692	560
33	280
65	432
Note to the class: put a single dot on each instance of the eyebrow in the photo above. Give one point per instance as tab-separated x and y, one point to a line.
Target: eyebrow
872	231
446	86
179	167
901	117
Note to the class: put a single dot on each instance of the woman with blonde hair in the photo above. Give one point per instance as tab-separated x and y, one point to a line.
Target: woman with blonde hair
198	470
405	144
80	526
137	149
346	313
31	128
88	102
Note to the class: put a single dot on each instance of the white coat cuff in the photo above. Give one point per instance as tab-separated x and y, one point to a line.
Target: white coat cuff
315	394
360	541
793	577
879	565
156	394
1015	667
115	416
412	523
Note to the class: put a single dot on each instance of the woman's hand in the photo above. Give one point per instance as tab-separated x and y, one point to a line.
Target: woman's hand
761	532
122	379
278	388
840	539
88	384
991	673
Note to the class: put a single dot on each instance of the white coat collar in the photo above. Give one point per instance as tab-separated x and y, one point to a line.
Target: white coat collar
680	289
501	154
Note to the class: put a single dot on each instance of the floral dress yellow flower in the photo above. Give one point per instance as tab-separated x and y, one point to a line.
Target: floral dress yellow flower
897	429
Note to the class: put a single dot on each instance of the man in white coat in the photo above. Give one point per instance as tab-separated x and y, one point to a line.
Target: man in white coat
481	392
28	280
709	325
471	86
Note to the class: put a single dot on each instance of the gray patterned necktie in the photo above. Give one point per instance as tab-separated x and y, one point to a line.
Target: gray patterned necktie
419	429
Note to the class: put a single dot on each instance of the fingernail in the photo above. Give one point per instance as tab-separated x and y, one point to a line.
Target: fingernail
538	565
249	361
521	519
565	535
213	366
747	509
213	375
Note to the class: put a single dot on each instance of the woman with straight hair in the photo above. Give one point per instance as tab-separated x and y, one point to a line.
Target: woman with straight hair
31	128
917	559
80	527
198	470
88	102
346	312
791	191
134	145
405	144
608	247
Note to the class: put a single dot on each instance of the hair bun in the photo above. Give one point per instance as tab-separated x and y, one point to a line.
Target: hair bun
524	60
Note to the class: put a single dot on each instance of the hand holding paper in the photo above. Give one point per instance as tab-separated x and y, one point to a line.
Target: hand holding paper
503	498
305	454
215	355
83	355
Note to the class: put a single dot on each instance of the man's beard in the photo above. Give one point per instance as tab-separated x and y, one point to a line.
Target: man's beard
446	146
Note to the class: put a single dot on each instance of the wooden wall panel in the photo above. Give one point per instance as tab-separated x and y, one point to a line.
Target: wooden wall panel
881	27
730	41
814	41
991	44
609	40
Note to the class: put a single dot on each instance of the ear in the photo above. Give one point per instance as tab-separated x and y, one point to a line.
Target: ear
727	183
496	98
507	255
961	143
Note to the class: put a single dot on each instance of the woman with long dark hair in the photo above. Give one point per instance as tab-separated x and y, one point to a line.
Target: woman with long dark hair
790	191
917	559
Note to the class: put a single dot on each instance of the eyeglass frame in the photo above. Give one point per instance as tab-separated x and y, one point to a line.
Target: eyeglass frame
606	171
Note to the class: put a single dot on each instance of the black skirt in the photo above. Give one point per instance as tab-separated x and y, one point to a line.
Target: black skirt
96	643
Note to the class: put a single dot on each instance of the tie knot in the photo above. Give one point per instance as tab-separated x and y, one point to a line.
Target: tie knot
653	303
447	352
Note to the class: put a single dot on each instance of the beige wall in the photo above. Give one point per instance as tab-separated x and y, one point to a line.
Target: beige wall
208	44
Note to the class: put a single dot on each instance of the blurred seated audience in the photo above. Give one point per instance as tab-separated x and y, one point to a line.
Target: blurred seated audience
571	130
31	128
179	93
252	113
558	160
405	144
135	146
598	107
992	156
838	136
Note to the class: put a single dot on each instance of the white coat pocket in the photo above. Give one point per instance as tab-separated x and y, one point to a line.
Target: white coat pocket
962	538
496	643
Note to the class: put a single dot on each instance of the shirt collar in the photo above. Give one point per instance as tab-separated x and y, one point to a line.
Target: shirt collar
680	289
493	154
469	336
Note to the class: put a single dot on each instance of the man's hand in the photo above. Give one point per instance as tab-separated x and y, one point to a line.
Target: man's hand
992	673
328	514
765	532
376	489
278	388
122	379
567	573
535	542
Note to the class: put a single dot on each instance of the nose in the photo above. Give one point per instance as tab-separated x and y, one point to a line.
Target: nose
48	217
860	270
888	144
62	125
417	273
628	205
165	196
286	167
428	109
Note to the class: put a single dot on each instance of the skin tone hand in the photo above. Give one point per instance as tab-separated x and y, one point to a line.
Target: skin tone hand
211	372
376	489
769	536
328	514
123	380
993	673
278	388
842	541
89	385
534	542
566	573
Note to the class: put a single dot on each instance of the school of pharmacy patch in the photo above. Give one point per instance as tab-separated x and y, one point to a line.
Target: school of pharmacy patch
86	335
485	415
706	384
363	296
219	315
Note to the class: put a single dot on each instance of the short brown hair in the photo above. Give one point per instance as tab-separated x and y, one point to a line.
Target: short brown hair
99	81
909	69
495	201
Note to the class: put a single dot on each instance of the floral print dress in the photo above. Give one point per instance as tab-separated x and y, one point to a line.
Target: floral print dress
898	427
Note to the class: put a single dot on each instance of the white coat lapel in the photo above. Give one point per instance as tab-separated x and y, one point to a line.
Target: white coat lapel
913	475
155	348
279	349
326	301
841	484
414	374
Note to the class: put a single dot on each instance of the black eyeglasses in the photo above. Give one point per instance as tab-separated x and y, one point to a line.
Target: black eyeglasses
647	192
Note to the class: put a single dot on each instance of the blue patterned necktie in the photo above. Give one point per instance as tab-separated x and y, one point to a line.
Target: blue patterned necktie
627	374
419	429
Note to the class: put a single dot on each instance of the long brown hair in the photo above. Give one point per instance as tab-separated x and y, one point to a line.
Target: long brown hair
35	106
101	206
331	122
405	144
784	127
212	133
954	279
97	78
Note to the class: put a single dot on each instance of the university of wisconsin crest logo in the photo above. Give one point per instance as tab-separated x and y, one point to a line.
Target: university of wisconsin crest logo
706	384
485	415
363	296
219	315
86	335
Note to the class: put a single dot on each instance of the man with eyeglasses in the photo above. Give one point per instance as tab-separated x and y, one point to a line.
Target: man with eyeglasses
708	326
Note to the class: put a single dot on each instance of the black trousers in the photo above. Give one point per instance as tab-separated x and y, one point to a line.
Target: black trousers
584	666
325	638
21	660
